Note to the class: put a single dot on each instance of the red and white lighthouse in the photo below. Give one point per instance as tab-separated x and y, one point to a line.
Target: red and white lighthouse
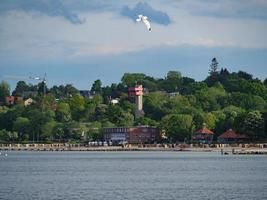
137	92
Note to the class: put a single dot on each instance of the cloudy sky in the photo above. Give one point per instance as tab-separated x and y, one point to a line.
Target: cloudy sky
79	41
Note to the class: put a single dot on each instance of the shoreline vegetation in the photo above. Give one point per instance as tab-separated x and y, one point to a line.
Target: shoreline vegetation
177	106
235	149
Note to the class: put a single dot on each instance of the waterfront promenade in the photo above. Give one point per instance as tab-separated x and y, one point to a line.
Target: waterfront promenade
220	148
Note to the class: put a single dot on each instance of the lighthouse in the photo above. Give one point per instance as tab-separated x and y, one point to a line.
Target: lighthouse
137	92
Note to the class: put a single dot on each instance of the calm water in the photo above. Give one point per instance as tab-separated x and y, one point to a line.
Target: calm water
131	175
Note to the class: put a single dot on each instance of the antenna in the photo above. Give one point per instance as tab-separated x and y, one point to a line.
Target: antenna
24	78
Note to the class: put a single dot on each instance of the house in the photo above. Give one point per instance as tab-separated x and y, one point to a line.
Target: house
10	100
203	135
28	102
231	136
114	101
131	135
85	93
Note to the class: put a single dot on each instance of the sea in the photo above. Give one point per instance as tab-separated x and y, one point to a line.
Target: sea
131	175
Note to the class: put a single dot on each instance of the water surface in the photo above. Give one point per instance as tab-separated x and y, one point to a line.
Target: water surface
132	175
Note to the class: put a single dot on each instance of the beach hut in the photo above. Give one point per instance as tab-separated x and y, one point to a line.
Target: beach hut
203	135
230	136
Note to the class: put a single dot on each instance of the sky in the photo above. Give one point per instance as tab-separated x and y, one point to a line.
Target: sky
80	41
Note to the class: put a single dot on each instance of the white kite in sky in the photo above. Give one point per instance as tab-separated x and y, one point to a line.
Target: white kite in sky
142	18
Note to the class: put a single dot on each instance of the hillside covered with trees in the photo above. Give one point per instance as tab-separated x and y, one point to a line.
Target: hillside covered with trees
176	104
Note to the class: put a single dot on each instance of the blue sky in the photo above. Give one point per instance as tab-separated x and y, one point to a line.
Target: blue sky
79	41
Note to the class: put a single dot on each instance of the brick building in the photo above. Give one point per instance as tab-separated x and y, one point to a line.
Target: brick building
131	135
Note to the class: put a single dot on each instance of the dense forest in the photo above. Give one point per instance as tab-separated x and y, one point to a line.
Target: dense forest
177	105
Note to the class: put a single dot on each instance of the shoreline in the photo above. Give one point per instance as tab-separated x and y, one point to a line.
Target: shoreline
223	150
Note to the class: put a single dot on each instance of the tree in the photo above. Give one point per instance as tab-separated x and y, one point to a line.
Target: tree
42	88
4	135
247	101
4	91
58	131
131	79
231	113
22	126
253	125
47	130
70	90
178	127
210	120
172	82
107	124
118	116
244	75
95	131
153	105
145	121
89	112
7	119
20	88
96	87
220	122
213	73
63	113
37	120
126	119
213	67
77	106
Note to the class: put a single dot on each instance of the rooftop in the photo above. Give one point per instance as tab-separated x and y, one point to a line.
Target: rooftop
230	134
204	131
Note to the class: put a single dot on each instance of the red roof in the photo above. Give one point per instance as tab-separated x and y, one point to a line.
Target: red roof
230	134
204	131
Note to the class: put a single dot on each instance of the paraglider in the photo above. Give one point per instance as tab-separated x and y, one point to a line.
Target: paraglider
144	19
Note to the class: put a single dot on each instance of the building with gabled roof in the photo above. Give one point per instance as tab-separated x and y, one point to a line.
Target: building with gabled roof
203	135
230	136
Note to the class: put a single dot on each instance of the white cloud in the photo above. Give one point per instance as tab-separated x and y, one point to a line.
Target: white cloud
28	34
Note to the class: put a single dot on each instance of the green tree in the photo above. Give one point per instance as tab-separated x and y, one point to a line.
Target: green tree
58	132
244	75
4	91
131	79
126	119
22	126
145	121
97	87
37	120
154	105
118	116
77	106
253	125
213	73
172	82
7	119
4	135
47	130
178	127
63	113
213	67
95	131
21	87
69	90
89	112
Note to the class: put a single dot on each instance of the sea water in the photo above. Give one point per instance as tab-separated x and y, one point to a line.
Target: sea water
132	175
